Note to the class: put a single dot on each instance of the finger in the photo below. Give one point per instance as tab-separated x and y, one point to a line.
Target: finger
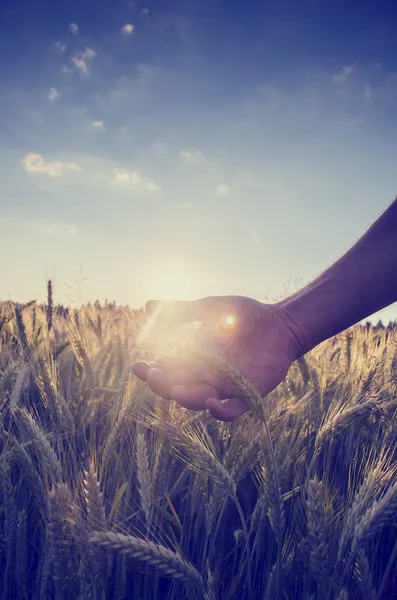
168	362
184	368
175	364
160	383
226	411
193	398
140	369
186	371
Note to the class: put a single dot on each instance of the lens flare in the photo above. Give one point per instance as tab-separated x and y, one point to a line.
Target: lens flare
229	321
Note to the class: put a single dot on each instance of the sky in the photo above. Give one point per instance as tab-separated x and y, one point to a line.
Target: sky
185	148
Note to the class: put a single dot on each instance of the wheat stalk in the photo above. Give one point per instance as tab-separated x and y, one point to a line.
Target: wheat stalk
144	478
21	557
18	388
96	518
343	420
364	576
204	460
45	451
316	526
169	562
50	305
375	517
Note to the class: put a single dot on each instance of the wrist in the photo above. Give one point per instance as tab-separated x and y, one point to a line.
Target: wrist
289	312
322	309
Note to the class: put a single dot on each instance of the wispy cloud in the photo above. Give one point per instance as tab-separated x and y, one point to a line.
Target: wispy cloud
145	11
53	94
36	164
343	75
134	180
80	64
368	92
145	69
73	28
88	53
128	29
60	46
222	190
80	60
98	125
192	156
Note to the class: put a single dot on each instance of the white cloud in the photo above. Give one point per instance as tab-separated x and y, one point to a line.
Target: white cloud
80	64
88	53
80	60
60	46
343	75
128	29
73	28
192	156
134	179
368	92
65	69
99	125
145	11
222	190
53	94
35	164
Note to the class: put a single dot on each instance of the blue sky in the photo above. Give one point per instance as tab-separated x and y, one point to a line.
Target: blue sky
187	148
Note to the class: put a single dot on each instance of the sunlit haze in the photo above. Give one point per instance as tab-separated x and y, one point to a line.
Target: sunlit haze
185	148
170	284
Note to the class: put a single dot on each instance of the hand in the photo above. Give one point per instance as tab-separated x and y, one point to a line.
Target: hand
260	340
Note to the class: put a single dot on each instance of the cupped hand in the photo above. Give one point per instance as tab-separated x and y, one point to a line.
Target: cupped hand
260	340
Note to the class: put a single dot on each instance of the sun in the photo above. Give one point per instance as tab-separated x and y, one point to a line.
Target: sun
172	284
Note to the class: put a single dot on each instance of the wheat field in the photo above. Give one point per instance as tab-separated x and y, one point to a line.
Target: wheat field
109	492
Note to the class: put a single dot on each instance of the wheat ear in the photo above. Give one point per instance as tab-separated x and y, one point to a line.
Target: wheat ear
170	563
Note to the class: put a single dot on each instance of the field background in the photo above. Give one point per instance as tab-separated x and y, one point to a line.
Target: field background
108	492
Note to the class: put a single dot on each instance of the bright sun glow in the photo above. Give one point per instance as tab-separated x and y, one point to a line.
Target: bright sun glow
229	320
171	285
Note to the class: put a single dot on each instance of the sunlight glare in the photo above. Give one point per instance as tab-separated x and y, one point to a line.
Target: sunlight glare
229	320
171	285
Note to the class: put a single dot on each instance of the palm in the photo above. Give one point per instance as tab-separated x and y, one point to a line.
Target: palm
259	343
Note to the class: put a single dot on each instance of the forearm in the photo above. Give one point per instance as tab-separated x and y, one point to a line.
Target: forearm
361	282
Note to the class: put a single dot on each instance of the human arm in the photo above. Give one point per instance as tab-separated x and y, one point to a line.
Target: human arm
267	338
361	282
